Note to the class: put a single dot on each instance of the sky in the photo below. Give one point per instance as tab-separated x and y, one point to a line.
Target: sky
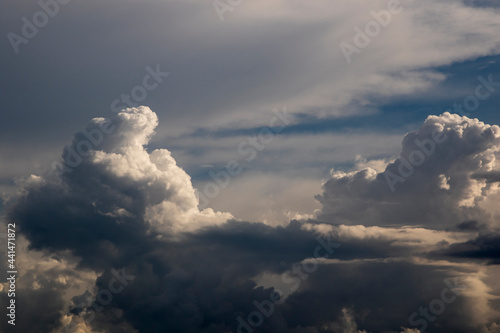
250	166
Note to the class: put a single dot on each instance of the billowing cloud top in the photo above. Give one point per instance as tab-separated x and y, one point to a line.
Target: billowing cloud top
445	169
108	161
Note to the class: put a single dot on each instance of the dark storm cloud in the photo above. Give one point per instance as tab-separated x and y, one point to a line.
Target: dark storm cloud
490	177
124	209
470	226
379	293
485	248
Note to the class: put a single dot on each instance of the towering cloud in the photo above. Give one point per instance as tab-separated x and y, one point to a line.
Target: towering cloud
109	173
445	169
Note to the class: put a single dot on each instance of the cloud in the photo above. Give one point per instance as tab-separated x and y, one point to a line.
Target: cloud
126	205
434	181
485	247
490	177
124	208
293	47
118	183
